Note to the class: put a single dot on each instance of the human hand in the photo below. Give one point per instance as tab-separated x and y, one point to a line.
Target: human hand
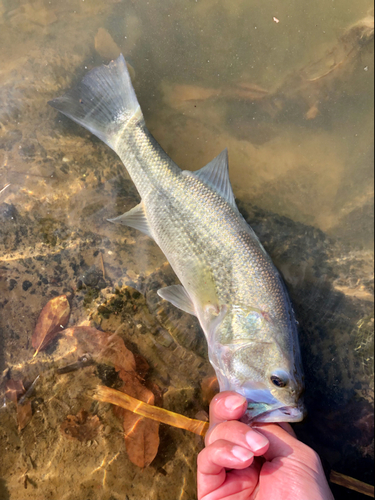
229	467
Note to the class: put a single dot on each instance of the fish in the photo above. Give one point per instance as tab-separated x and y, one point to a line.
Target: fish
227	279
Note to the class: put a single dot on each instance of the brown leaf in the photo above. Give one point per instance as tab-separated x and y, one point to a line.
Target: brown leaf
104	347
105	46
141	434
24	414
210	387
141	440
82	426
157	392
312	113
141	366
246	91
13	389
53	318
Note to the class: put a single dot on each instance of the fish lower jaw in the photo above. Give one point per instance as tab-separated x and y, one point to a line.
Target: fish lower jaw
284	414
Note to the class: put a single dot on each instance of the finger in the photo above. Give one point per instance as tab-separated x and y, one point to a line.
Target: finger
288	428
239	434
238	485
213	462
227	406
223	454
282	444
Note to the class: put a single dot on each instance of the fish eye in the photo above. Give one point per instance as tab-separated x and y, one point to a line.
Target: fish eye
279	379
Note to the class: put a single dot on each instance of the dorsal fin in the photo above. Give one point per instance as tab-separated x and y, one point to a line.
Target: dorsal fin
216	175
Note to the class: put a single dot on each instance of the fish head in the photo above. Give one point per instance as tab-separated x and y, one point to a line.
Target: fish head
273	389
262	362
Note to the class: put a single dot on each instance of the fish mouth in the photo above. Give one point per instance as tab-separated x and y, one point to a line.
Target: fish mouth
274	415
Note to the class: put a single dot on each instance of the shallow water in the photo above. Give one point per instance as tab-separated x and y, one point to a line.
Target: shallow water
288	89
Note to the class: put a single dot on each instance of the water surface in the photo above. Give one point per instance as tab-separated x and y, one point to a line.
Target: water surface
287	88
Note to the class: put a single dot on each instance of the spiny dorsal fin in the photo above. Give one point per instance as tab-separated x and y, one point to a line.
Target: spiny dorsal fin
216	175
178	296
136	217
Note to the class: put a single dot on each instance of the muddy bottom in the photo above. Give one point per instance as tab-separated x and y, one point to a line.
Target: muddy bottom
301	171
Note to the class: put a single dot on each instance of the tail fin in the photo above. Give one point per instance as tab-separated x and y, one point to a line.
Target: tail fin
103	102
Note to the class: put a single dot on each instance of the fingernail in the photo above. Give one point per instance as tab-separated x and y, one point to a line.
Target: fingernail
242	453
234	402
256	441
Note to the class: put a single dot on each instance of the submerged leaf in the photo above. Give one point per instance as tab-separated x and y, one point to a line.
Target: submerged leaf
83	427
52	320
210	387
141	435
141	366
141	439
13	389
24	414
104	347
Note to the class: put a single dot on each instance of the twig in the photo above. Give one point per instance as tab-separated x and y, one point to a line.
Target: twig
102	263
29	391
4	188
317	78
107	395
352	484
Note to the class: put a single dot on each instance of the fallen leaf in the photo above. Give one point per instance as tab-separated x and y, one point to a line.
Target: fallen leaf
210	387
24	414
141	434
141	439
52	320
83	427
157	392
13	389
104	347
247	91
202	415
105	46
312	113
37	13
179	96
141	366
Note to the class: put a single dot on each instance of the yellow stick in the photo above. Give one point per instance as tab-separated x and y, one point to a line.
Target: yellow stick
107	395
352	484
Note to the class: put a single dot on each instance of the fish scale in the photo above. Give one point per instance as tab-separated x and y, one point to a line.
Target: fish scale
227	279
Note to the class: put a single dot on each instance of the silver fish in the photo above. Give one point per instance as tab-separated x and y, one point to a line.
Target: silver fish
228	281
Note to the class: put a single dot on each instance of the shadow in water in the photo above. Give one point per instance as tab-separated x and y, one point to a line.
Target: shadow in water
4	492
336	336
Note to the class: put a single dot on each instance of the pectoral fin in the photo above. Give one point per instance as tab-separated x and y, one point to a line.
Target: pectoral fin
136	217
178	296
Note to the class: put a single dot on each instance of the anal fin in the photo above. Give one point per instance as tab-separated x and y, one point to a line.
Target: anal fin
136	218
